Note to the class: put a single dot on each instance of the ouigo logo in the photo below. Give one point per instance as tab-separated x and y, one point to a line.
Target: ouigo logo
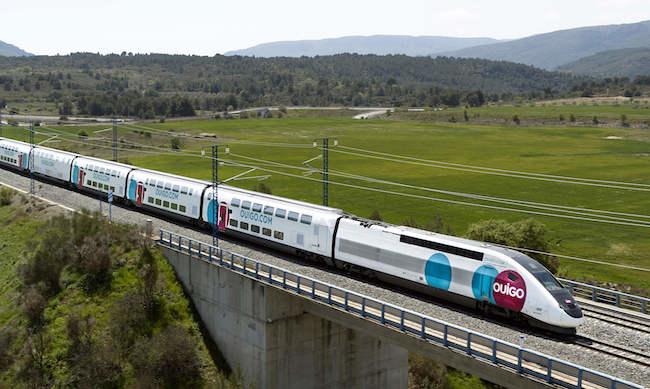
509	290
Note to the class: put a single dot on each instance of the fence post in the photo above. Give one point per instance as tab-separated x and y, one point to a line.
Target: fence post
494	351
383	313
549	371
257	270
444	335
424	327
363	307
469	343
284	280
346	301
401	321
329	295
519	357
298	284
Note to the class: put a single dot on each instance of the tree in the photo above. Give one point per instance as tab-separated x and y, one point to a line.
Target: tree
572	118
624	122
561	117
595	120
527	234
66	108
466	115
475	99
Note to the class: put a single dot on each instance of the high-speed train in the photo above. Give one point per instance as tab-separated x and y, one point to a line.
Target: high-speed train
484	276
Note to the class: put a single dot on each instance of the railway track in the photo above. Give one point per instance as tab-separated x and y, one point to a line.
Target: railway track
621	319
636	356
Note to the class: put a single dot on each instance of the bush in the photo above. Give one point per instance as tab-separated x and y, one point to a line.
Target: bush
94	260
6	195
128	320
168	359
527	234
175	143
34	305
572	118
6	358
83	134
375	215
52	254
516	119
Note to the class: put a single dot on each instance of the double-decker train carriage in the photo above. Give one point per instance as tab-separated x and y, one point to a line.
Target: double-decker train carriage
303	228
484	276
97	175
179	197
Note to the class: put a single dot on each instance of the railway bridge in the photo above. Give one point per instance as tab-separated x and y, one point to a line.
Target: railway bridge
285	330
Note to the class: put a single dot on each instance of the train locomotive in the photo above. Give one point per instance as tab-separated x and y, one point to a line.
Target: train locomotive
483	276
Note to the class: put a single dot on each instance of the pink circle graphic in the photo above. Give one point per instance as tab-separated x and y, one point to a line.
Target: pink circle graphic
509	290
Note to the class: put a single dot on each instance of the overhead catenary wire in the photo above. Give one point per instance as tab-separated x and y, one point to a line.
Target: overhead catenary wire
493	171
580	216
600	262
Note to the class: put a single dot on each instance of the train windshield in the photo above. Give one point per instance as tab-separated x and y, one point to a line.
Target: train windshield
539	271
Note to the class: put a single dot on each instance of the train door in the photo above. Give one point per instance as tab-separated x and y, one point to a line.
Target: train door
321	234
20	160
223	216
139	194
81	178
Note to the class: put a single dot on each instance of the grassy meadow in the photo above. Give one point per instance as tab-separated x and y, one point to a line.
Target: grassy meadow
578	151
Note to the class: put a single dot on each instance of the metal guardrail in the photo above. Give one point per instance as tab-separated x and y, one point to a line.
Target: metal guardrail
488	349
608	296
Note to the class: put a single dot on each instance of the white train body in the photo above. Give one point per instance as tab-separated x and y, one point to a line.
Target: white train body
478	271
14	154
168	193
52	163
302	226
99	175
488	276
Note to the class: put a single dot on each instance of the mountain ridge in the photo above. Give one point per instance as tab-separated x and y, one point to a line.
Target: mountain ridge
629	62
422	45
553	49
9	50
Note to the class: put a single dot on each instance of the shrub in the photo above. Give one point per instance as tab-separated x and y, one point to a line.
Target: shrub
33	304
375	215
167	359
149	276
595	120
6	195
516	119
6	358
128	320
175	143
572	118
52	254
561	117
94	260
83	134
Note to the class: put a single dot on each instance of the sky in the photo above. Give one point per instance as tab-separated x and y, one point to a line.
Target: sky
211	27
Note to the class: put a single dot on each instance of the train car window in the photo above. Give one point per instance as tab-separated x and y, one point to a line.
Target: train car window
175	188
266	231
189	192
257	207
182	208
268	210
243	225
281	213
152	182
184	190
174	206
112	189
305	219
158	202
293	216
166	204
475	255
89	183
512	277
168	186
278	235
234	202
159	184
233	223
255	228
246	205
150	200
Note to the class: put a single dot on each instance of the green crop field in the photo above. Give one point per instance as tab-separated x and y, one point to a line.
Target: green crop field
616	154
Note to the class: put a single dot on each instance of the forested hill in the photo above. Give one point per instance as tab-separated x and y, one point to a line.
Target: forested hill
558	48
217	82
613	63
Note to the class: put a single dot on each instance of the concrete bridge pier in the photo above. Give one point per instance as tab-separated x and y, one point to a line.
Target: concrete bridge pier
268	335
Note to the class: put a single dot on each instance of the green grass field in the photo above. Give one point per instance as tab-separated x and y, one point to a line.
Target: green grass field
569	151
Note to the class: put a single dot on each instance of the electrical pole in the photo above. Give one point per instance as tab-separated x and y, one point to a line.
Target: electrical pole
215	183
31	158
1	121
114	140
326	145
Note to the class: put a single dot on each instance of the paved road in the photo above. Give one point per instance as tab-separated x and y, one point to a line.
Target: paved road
443	311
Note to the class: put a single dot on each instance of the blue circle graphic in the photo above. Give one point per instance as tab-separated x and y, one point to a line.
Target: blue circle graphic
482	283
438	271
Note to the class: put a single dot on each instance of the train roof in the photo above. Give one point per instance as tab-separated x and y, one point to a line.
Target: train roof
283	199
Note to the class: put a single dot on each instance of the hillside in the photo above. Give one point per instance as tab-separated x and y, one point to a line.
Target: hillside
613	63
87	304
9	50
553	49
375	44
144	85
